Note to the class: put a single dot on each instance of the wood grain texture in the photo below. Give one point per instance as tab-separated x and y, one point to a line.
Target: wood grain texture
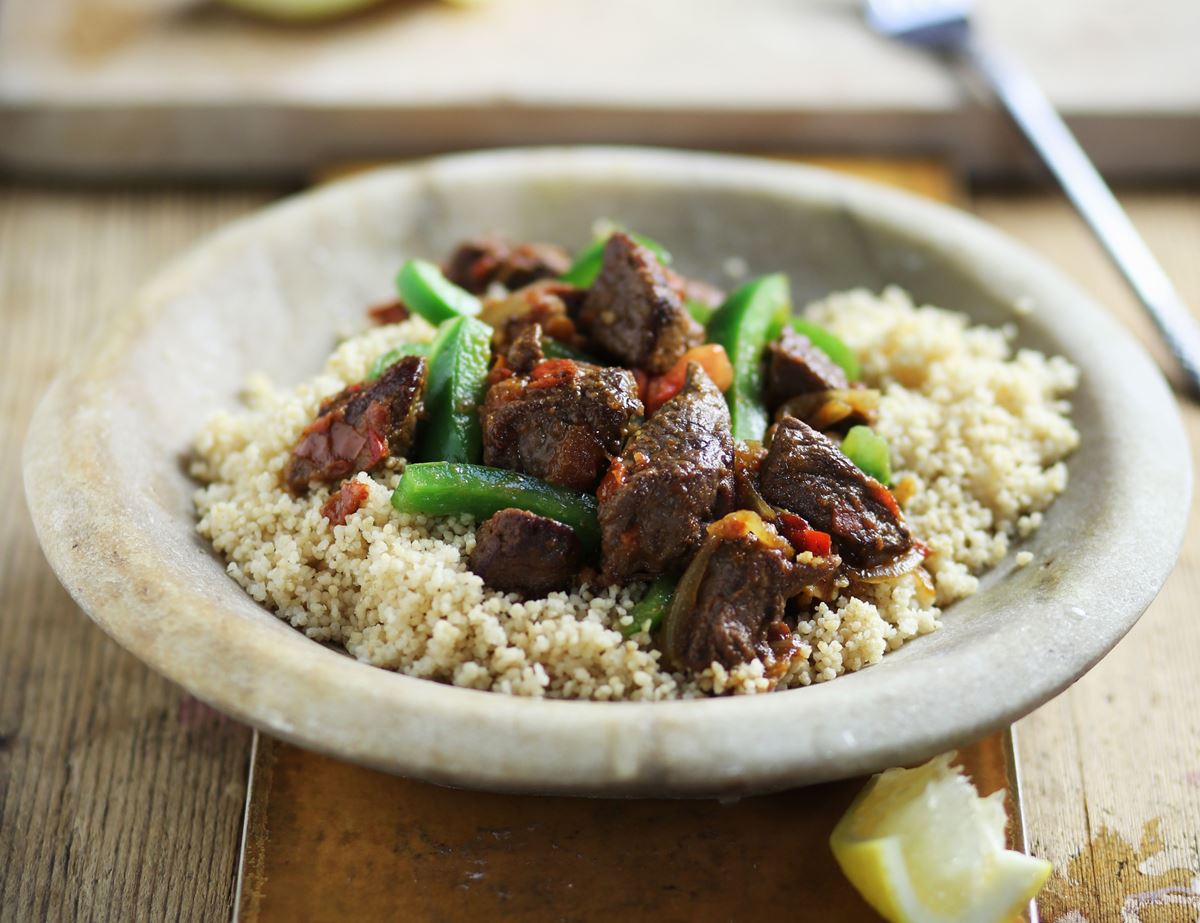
1112	766
328	841
120	797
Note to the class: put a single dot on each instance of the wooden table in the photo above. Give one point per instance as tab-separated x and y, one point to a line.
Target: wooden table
122	798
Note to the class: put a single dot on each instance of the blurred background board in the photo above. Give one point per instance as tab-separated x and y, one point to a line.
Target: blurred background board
137	87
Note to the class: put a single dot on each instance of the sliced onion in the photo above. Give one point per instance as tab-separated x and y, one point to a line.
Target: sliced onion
824	409
498	311
684	601
897	567
747	456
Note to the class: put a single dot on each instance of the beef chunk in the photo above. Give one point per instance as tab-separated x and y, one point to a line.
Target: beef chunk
550	304
520	552
806	473
741	581
633	313
796	366
358	428
525	351
478	264
562	421
674	477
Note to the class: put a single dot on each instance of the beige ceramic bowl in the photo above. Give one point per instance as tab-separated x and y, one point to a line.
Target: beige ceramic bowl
114	513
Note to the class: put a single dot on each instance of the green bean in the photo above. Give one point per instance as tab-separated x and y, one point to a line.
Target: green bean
651	607
829	344
454	388
425	291
448	489
870	452
750	317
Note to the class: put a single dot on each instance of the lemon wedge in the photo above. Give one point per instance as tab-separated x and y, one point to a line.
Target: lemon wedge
922	847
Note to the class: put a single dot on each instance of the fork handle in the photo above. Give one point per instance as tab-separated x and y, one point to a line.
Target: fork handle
1086	189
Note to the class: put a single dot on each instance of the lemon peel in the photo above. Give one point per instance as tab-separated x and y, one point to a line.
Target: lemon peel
921	846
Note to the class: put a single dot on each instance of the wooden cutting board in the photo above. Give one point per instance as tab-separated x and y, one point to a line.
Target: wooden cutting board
136	87
326	840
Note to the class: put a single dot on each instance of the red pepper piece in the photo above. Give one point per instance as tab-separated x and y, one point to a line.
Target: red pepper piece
803	538
613	479
884	496
643	384
393	312
819	543
346	502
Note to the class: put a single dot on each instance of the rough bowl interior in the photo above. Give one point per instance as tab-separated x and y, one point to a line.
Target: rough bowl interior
270	293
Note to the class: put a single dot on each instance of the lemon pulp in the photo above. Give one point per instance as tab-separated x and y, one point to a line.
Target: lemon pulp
921	846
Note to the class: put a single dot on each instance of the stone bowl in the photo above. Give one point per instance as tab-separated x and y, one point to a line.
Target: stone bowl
113	509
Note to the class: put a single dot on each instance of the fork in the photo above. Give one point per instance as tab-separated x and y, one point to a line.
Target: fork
945	26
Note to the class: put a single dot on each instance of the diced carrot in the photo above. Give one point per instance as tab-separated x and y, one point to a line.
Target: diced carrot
712	359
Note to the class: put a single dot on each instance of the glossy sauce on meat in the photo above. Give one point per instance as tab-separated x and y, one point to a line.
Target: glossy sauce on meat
359	427
550	304
796	366
517	551
734	591
807	474
633	312
478	264
557	419
736	586
674	477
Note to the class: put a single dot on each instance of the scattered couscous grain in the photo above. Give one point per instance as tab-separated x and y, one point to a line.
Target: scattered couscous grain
978	437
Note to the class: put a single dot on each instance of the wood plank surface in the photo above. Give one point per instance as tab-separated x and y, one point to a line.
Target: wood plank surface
328	841
1112	766
121	797
123	87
